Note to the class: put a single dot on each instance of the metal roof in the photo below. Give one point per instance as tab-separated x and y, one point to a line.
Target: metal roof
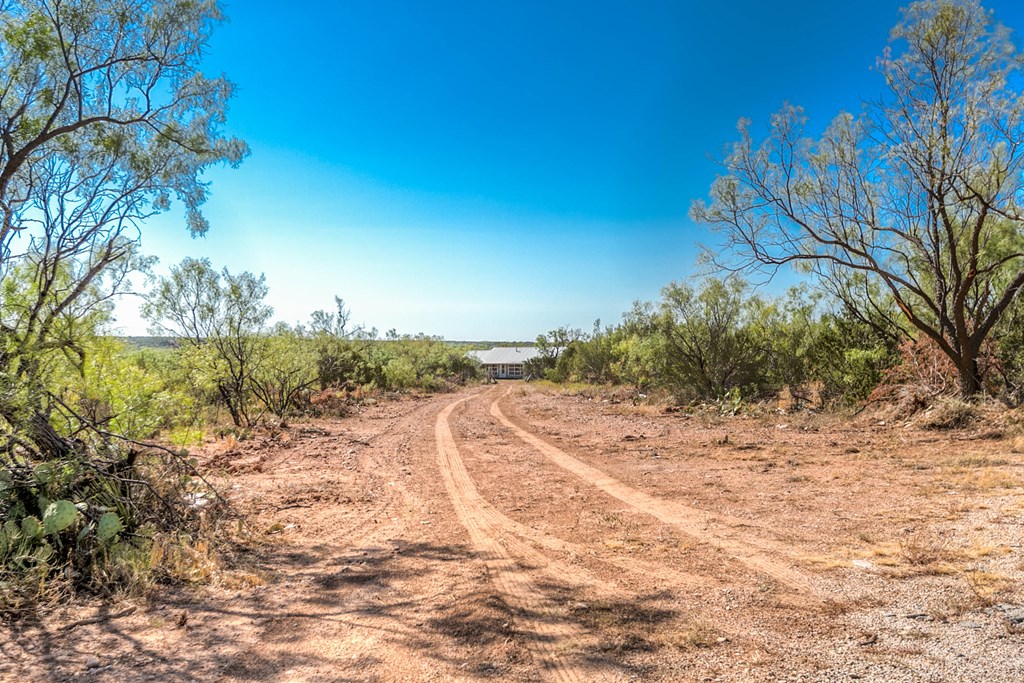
505	354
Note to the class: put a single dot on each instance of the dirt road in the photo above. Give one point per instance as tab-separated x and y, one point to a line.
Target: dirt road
506	533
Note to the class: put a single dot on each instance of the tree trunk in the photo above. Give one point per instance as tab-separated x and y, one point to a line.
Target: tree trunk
39	432
225	395
970	374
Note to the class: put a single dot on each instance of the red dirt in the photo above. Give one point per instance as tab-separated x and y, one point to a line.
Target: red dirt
519	535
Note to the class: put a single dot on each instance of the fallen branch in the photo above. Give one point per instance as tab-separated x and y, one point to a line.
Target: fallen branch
98	619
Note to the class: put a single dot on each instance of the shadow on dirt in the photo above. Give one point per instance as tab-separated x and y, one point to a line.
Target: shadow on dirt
258	635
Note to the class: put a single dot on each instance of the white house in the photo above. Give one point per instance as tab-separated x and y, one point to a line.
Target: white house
505	362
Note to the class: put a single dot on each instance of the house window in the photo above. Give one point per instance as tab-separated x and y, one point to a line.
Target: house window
515	371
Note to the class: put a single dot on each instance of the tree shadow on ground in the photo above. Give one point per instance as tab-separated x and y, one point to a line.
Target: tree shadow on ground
333	593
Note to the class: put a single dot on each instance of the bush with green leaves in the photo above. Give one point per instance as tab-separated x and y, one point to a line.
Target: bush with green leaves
714	339
88	520
223	317
719	341
107	119
287	373
120	391
1008	369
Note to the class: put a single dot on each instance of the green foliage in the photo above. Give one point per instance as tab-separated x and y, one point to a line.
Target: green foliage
223	318
714	340
849	357
107	117
108	526
1009	352
912	202
420	361
399	373
286	372
552	347
719	342
59	515
133	394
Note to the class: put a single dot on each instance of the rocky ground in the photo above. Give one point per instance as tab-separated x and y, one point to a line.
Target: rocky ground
510	533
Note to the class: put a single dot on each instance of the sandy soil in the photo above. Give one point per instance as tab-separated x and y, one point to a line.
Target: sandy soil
510	534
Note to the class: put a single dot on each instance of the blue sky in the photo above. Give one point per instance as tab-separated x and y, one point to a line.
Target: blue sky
484	170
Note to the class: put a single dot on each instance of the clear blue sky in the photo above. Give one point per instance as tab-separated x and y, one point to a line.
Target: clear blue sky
485	170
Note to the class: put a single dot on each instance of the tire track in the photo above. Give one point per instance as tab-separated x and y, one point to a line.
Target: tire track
535	610
716	530
571	575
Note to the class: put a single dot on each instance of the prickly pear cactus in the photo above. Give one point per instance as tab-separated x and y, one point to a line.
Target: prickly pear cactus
10	535
108	526
59	515
43	473
31	528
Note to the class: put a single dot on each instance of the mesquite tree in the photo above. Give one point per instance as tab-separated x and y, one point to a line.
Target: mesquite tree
105	118
222	315
917	199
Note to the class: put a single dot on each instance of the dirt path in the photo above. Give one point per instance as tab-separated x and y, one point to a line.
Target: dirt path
721	531
551	634
516	535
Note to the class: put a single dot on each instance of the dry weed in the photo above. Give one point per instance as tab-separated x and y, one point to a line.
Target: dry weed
179	559
979	549
926	551
824	562
976	460
987	479
697	633
240	580
948	414
986	587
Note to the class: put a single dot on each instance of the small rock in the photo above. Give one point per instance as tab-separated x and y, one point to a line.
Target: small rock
92	663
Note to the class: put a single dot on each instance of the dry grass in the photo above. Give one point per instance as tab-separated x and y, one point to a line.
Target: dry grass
633	627
982	589
696	633
181	560
979	549
925	551
825	562
948	414
987	587
975	460
240	580
882	554
987	479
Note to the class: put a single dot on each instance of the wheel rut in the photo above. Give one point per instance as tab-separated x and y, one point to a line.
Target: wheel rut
537	614
716	530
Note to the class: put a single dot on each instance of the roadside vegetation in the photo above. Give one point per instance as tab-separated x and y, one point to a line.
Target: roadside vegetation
124	504
904	221
721	342
107	120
